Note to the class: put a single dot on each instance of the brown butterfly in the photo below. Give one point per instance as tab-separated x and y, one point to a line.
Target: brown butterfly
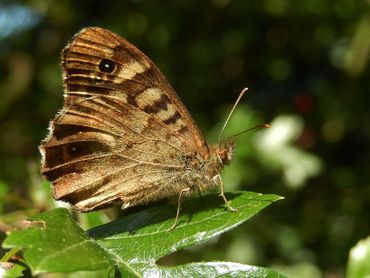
123	133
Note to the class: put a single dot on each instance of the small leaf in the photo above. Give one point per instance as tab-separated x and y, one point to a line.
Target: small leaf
11	270
60	246
359	260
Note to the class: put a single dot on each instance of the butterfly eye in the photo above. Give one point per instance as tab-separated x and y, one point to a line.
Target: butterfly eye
107	65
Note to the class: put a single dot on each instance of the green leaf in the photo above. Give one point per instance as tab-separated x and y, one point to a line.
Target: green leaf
359	260
55	243
11	270
135	242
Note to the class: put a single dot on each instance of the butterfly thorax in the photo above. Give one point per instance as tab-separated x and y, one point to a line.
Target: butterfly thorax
202	172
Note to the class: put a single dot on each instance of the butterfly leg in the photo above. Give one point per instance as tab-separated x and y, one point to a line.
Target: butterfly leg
198	191
179	206
125	205
222	194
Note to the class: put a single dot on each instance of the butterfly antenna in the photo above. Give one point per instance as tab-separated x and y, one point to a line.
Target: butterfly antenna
231	112
253	128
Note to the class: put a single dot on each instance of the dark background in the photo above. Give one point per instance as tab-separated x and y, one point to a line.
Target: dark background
306	66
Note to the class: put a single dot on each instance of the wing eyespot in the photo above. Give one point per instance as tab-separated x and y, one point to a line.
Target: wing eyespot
107	65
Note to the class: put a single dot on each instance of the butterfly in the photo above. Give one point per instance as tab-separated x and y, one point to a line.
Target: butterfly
123	134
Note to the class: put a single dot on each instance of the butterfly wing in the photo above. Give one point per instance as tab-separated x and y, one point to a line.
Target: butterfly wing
123	132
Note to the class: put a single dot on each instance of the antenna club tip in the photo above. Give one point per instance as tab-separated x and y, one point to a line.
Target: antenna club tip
244	90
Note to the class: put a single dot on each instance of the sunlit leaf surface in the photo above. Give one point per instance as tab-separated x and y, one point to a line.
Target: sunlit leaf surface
134	243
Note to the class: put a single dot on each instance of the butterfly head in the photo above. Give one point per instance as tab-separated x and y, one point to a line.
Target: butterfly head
225	151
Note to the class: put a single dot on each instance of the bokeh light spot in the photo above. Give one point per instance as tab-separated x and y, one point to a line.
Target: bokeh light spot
279	69
333	130
303	102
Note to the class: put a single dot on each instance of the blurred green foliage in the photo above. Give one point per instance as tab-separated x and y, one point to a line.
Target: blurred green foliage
359	260
306	66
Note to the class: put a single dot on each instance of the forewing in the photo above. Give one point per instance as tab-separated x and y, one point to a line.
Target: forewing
134	79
